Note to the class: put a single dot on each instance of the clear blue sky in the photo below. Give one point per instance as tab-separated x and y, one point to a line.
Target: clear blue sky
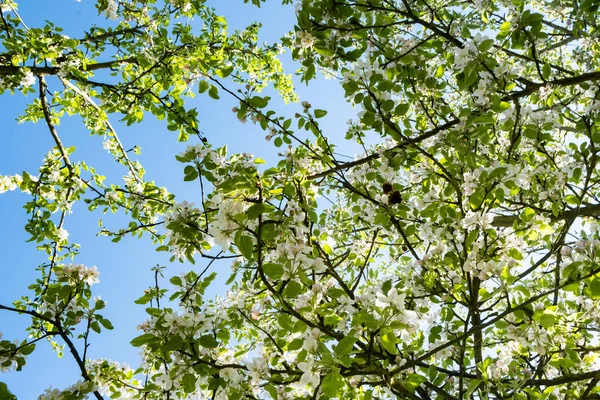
124	267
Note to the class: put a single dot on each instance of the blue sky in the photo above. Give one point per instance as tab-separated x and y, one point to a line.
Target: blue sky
124	267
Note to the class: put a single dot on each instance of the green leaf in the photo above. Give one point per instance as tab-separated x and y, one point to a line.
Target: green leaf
485	119
224	72
363	317
27	350
501	324
531	133
192	176
6	394
486	45
573	287
95	326
272	391
505	27
213	92
476	199
389	340
320	113
385	86
172	344
412	382
345	346
144	299
295	344
572	199
203	86
189	383
255	210
546	71
258	102
401	109
595	288
324	51
547	320
176	280
332	319
439	72
231	278
472	386
106	323
332	383
293	289
272	270
208	341
143	339
183	136
497	172
470	74
499	193
246	246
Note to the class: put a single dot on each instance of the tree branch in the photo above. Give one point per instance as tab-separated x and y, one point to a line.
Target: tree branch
535	86
504	221
374	156
7	70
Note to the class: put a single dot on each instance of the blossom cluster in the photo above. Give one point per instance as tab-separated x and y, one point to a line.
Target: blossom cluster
79	389
75	273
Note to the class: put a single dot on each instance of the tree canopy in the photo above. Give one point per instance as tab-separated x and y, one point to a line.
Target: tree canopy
455	258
